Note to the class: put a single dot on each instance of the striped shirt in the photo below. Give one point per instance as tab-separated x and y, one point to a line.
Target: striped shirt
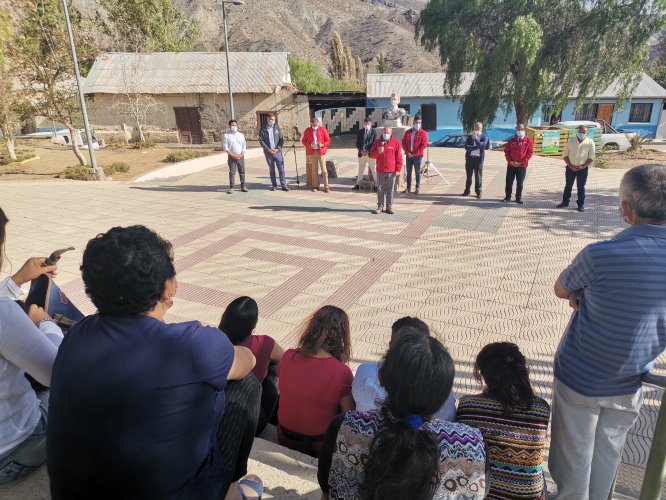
620	326
515	444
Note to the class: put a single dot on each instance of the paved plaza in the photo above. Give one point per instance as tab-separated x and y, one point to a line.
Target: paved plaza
477	271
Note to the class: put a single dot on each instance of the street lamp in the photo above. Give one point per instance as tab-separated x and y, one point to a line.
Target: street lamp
226	49
98	172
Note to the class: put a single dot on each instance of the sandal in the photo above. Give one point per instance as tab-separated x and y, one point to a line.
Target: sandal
254	485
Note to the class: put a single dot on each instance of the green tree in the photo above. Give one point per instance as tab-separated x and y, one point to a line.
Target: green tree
339	66
360	71
655	66
10	100
308	76
46	69
527	52
383	65
147	25
351	66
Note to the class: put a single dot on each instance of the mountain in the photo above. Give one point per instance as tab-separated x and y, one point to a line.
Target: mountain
303	27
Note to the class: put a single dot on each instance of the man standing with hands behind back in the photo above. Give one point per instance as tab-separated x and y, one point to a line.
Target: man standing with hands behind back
414	143
233	143
475	152
364	141
271	139
578	155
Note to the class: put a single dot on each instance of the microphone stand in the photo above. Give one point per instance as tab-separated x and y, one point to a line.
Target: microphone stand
297	136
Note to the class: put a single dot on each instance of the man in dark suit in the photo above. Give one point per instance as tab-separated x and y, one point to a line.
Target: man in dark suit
271	139
475	152
364	140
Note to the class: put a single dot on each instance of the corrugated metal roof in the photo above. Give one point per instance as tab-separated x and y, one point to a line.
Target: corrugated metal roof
188	73
432	85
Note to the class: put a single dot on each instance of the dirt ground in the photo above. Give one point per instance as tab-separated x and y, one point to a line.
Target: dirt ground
626	159
54	159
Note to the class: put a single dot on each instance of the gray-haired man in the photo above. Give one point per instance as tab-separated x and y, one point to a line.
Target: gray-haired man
578	155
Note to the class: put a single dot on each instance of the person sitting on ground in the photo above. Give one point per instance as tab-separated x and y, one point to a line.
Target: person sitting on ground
513	420
314	381
399	451
28	344
143	409
368	392
238	322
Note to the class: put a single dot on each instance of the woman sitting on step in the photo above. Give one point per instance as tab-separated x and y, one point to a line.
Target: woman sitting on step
513	420
399	451
314	381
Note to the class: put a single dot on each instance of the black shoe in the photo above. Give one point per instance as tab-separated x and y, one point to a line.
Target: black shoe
562	205
466	193
507	199
374	189
520	202
273	188
285	188
478	195
580	208
356	188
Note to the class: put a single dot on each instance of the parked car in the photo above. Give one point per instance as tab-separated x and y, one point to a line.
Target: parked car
450	141
611	137
499	145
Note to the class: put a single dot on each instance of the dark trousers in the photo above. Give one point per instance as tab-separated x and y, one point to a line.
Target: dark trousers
580	177
473	165
276	161
517	173
234	165
414	164
235	433
269	399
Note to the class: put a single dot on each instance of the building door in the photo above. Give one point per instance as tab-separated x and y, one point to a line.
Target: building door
188	122
605	113
661	127
429	116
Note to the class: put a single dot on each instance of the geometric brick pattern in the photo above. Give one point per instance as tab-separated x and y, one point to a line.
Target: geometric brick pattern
476	270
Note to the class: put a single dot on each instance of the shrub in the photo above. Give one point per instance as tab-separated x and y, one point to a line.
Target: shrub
142	145
118	166
187	154
637	141
75	172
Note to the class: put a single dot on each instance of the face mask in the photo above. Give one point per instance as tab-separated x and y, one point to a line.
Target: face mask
581	136
271	123
386	137
478	132
315	126
234	128
520	134
368	127
417	126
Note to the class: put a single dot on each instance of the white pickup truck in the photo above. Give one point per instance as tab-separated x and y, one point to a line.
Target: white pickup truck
610	137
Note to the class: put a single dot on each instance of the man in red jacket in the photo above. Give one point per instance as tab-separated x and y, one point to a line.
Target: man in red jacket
316	141
386	150
414	143
517	152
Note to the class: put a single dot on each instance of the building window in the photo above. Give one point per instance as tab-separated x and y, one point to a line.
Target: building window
587	113
548	115
640	112
262	118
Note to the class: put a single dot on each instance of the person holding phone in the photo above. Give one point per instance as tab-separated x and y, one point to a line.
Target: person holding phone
475	151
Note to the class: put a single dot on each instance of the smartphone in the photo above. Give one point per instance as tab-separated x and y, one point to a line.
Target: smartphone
55	256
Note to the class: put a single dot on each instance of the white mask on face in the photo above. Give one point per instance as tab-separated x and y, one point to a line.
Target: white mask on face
478	132
520	134
271	123
234	128
368	126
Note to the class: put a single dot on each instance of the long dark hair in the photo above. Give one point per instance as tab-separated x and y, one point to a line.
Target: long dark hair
239	319
504	370
327	329
417	373
3	233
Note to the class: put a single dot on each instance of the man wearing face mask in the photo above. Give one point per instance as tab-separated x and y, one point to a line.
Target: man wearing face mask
414	143
233	143
316	141
617	289
578	155
364	141
271	139
517	152
475	152
386	150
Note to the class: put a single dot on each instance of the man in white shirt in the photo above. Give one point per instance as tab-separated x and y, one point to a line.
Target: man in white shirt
366	387
578	154
234	145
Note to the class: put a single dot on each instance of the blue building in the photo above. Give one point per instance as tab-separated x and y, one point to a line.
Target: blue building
644	113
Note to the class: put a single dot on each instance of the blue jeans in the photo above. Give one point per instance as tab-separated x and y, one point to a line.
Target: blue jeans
31	453
276	160
414	163
580	177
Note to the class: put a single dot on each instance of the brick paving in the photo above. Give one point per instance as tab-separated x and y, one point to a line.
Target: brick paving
477	271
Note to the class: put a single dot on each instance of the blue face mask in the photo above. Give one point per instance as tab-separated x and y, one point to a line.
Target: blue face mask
581	136
386	137
520	134
417	126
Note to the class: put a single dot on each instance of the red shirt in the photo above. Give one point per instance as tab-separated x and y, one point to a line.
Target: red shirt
323	140
519	150
420	142
391	159
262	347
310	391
